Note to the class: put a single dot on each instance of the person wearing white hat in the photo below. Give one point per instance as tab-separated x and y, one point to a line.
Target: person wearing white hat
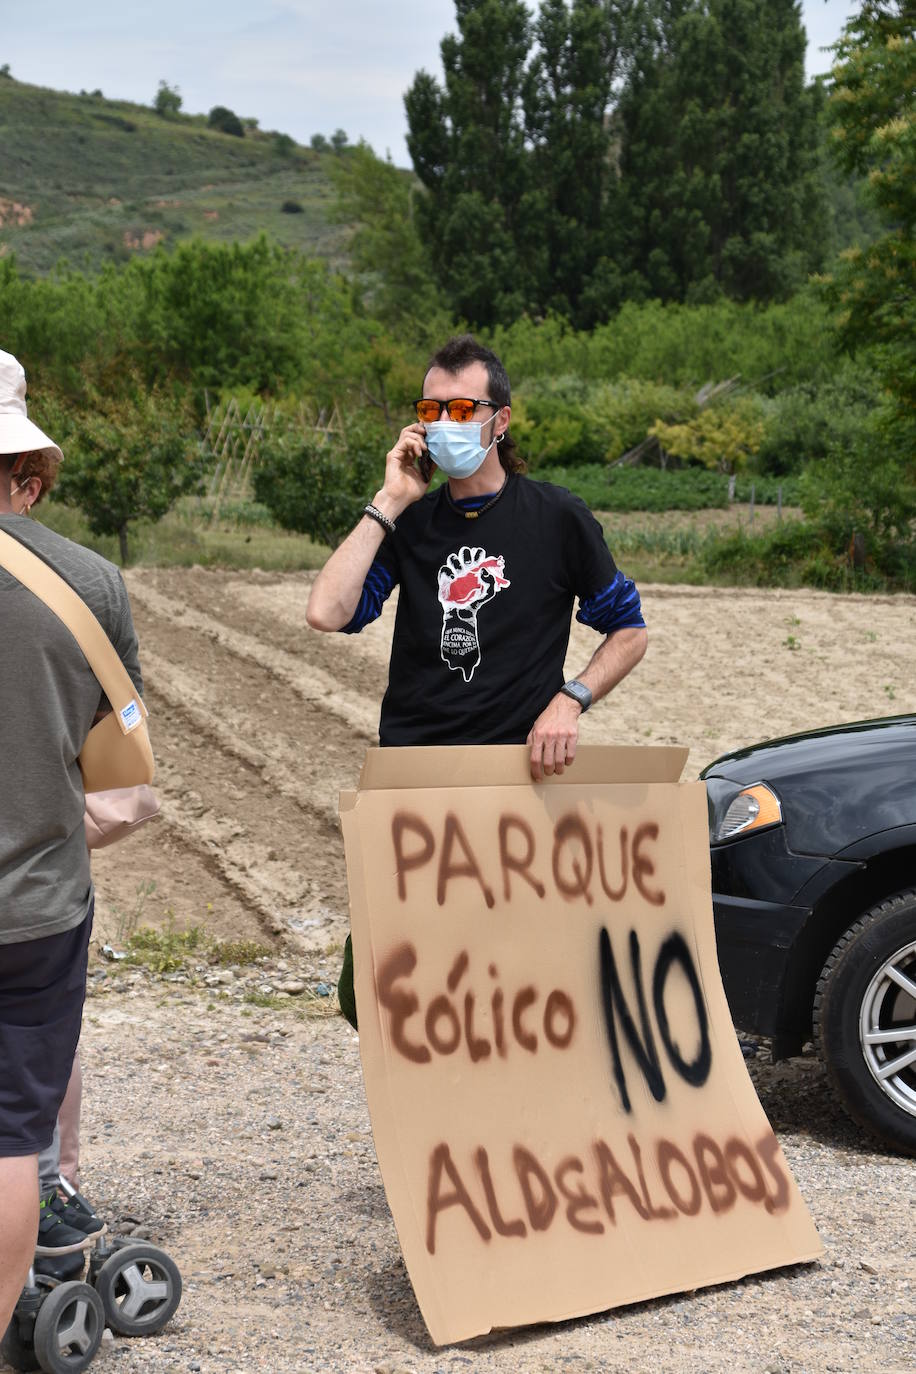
49	699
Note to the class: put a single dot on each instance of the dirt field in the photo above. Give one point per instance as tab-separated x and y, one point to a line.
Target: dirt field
258	723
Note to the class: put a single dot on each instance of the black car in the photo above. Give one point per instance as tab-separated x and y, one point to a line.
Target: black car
813	842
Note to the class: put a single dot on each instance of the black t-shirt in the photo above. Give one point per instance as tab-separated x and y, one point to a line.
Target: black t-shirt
484	612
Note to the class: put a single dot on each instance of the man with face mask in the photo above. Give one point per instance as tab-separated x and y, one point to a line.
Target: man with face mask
49	699
489	567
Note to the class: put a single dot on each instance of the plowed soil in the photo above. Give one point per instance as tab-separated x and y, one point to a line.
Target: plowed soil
258	722
241	1135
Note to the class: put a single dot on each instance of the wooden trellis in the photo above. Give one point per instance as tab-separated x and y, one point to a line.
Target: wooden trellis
233	439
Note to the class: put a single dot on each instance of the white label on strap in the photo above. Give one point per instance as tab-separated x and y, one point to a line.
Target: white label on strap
130	716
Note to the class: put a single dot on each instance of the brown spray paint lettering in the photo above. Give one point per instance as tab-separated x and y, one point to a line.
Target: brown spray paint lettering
589	1190
583	864
449	1018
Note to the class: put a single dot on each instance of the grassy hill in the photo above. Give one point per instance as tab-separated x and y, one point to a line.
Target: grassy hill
94	180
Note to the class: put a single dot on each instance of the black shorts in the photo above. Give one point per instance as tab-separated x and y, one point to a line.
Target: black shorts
42	990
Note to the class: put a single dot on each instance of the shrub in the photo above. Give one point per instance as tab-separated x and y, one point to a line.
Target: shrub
226	121
685	345
722	437
167	101
806	422
620	414
868	487
319	485
550	425
291	207
128	459
796	553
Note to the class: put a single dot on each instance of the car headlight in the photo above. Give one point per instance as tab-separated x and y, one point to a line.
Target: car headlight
734	813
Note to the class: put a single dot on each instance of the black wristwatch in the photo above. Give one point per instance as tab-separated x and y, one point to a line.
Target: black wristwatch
579	692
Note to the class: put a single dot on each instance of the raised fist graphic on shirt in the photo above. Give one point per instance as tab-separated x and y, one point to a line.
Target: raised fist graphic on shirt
468	579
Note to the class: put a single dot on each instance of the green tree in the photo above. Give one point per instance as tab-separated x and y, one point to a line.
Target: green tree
567	95
226	120
319	143
467	142
873	289
128	459
380	201
718	153
223	315
207	315
874	123
167	101
319	485
339	140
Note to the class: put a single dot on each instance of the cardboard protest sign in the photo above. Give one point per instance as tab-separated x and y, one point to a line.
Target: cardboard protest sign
561	1111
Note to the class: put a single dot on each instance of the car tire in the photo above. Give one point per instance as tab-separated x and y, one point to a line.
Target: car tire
866	992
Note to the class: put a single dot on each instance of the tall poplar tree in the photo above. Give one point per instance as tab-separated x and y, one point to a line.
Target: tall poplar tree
467	142
514	151
567	98
718	188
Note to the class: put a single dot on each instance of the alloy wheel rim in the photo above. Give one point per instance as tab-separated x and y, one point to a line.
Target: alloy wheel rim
887	1028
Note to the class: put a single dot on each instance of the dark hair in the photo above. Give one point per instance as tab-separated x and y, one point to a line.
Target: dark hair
457	353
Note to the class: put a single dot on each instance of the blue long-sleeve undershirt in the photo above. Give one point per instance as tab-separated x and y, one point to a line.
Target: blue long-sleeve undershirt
377	588
616	608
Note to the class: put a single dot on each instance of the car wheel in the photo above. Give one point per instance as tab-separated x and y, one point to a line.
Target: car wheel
865	1020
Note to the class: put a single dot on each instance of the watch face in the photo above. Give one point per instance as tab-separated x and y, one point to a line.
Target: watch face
579	692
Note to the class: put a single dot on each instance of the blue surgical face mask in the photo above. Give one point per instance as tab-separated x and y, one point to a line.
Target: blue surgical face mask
455	448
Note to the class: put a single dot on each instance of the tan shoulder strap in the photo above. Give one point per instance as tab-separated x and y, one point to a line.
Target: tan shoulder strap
69	608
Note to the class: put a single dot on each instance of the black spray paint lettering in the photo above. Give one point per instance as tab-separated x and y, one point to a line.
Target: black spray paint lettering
640	1038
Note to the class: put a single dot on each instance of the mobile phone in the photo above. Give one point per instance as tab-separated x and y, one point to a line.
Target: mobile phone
425	465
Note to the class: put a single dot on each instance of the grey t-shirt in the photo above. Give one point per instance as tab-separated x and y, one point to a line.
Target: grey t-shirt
48	700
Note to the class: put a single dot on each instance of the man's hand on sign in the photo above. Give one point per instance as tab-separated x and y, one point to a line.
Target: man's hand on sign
555	733
553	737
405	481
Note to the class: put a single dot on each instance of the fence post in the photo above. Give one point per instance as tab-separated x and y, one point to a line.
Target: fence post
779	502
731	488
750	518
858	551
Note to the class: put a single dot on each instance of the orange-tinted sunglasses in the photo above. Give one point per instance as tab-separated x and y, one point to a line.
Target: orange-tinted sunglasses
460	408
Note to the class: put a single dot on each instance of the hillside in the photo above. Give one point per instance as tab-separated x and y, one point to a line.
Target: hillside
95	181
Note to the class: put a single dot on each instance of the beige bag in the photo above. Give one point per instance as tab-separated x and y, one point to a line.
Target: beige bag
117	751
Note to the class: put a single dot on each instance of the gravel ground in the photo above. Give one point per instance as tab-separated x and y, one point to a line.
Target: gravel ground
239	1135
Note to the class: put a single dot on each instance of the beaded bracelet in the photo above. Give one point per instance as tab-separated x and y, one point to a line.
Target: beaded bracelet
383	520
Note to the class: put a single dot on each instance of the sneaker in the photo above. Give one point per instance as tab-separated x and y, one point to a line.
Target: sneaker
76	1213
54	1235
61	1266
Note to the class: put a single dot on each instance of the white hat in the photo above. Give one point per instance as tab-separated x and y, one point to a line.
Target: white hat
17	433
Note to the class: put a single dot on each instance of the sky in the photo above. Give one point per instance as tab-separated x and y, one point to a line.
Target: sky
299	66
